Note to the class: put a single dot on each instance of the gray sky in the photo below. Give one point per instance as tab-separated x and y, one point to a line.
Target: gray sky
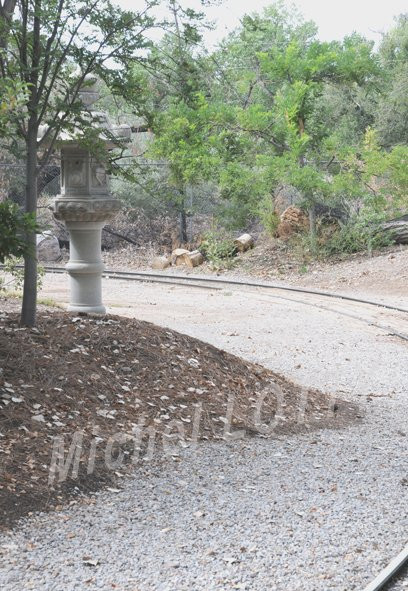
335	18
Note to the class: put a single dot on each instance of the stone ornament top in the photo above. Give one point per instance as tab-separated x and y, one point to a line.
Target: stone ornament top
88	94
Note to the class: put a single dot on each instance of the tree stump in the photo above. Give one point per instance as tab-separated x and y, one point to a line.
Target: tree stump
160	263
244	242
177	256
193	259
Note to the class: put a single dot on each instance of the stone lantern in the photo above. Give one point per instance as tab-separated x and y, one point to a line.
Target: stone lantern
86	205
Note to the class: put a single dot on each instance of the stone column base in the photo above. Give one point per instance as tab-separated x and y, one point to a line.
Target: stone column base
85	267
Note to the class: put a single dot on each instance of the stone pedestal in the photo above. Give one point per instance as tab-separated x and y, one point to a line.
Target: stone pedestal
85	267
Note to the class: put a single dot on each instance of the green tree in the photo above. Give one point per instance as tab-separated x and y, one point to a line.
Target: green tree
176	108
41	42
392	112
282	95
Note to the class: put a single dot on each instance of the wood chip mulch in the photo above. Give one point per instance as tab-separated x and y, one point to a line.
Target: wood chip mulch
99	376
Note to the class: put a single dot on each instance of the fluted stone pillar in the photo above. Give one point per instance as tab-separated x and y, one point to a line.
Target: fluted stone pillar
85	267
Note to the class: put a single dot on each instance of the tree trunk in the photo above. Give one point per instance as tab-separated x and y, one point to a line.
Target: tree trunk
312	221
183	224
398	230
29	307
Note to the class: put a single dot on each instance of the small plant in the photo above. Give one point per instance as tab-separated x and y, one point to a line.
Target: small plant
268	216
13	267
218	250
361	233
14	226
306	247
50	302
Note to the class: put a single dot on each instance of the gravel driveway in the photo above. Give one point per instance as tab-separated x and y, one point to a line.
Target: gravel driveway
319	511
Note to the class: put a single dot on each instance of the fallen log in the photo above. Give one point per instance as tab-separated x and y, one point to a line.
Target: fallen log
244	242
192	259
398	230
119	235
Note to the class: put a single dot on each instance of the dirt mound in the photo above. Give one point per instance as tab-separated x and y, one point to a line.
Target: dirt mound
112	392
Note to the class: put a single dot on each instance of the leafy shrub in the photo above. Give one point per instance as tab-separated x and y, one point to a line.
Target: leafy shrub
14	268
357	236
268	216
218	249
14	224
362	233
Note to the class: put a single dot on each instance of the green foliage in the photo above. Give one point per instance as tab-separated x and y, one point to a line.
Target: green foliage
13	267
55	48
184	141
100	39
14	226
362	233
218	249
280	73
241	188
274	106
392	110
370	179
13	96
268	216
358	235
397	176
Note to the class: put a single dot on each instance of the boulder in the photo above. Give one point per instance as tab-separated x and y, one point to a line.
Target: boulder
48	249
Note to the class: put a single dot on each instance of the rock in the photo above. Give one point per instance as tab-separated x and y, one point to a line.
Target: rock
38	418
161	262
48	249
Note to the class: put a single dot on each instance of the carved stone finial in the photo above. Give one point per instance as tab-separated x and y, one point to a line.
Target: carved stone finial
88	91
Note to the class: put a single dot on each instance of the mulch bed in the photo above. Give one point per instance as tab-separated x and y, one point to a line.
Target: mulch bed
116	382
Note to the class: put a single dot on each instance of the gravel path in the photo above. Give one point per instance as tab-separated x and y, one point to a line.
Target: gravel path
320	511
